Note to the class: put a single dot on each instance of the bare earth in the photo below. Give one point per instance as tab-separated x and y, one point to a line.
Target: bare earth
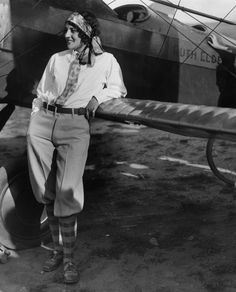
150	223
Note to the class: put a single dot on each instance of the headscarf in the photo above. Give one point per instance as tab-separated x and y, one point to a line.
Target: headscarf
95	46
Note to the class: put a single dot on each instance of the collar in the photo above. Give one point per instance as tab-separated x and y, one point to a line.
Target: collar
87	56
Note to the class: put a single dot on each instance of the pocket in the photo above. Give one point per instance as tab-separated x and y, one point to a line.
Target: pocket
33	123
33	118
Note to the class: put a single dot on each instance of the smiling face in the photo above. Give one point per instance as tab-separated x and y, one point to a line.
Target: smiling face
72	37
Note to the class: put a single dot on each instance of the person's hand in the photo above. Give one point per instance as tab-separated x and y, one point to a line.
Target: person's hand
36	106
34	112
216	42
91	108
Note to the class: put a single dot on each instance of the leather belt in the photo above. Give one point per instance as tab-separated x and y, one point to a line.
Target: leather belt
64	110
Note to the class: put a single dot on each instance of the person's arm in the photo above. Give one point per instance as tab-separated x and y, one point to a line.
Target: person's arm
114	88
36	105
43	86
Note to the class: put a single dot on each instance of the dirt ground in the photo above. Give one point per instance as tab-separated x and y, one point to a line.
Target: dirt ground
155	217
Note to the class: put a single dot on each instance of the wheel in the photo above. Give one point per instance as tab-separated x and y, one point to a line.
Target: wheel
222	159
23	221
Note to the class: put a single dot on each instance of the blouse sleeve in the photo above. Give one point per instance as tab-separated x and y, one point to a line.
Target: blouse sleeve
44	86
114	87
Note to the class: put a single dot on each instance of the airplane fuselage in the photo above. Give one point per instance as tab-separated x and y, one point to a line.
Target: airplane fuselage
158	62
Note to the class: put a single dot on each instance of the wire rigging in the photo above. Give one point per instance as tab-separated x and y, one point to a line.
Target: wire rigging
17	24
9	33
191	41
208	27
211	31
31	48
163	43
170	25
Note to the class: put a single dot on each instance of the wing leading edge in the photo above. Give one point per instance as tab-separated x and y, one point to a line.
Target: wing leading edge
184	119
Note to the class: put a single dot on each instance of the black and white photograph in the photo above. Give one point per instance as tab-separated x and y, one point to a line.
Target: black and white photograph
117	146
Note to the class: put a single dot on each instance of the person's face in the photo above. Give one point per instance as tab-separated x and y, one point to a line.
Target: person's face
72	37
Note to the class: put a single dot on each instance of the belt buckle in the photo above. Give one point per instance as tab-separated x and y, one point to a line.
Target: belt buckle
53	108
46	106
57	105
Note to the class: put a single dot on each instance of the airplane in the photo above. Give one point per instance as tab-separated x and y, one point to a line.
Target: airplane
169	69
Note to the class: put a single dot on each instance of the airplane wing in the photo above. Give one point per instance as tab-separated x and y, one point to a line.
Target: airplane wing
184	119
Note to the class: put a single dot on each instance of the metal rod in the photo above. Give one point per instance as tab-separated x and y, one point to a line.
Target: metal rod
193	11
5	114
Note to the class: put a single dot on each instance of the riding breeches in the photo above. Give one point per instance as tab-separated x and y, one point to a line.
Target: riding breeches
57	147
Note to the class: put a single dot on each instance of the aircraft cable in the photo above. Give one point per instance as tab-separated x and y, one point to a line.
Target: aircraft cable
179	31
23	53
190	40
164	2
170	25
31	48
211	30
36	4
208	27
111	2
26	51
164	19
6	35
185	36
17	57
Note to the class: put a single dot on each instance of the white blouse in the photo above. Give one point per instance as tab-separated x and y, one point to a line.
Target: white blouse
103	80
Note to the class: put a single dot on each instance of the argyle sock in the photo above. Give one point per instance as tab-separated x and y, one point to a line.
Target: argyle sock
53	226
68	233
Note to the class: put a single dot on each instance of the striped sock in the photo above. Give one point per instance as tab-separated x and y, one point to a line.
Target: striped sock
68	233
53	226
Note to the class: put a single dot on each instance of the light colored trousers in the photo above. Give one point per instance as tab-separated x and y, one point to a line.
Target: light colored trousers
57	147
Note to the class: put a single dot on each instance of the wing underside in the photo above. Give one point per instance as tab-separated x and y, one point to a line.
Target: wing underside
184	119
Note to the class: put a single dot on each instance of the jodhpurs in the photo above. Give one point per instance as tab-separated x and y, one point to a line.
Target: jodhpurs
57	147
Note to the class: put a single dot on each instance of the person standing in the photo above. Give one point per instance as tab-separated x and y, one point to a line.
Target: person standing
74	83
226	70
